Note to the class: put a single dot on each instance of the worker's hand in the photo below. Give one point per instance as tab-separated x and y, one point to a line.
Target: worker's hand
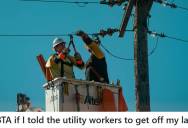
61	56
80	33
79	60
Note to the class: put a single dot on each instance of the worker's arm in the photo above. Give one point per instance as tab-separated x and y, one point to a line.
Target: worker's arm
92	45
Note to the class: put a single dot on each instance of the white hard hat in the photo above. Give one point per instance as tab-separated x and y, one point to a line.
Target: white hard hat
58	41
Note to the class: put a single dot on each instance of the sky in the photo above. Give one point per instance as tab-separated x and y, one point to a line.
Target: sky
20	71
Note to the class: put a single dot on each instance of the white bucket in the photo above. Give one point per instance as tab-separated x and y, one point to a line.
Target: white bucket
61	95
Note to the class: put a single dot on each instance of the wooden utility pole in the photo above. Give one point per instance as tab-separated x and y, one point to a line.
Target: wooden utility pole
142	8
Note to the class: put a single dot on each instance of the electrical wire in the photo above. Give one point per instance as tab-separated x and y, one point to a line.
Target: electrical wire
45	35
183	8
170	4
162	2
62	1
31	35
109	3
117	57
39	35
162	35
154	48
130	59
178	39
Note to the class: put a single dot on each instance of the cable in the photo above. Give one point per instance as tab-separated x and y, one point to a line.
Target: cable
38	35
129	59
183	8
117	57
78	3
32	35
178	39
62	1
171	5
154	48
162	35
102	33
109	31
103	2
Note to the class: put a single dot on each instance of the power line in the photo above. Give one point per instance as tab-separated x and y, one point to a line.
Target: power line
31	35
115	56
162	35
154	48
109	3
170	4
102	33
103	2
130	59
178	39
62	1
78	3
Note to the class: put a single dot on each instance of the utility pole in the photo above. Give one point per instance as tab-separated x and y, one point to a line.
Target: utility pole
142	8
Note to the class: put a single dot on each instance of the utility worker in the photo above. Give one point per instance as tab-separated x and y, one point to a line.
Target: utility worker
61	63
96	67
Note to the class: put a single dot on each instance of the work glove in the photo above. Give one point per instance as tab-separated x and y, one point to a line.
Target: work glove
84	37
61	56
78	58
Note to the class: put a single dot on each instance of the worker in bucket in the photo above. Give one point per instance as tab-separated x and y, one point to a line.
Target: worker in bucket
96	66
61	63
